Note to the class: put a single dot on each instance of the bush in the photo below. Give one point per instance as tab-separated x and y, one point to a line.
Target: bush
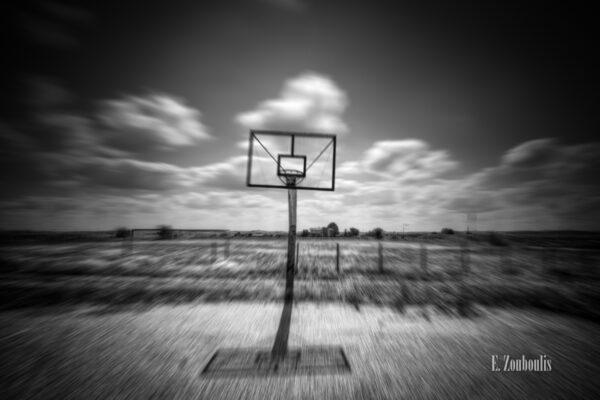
448	231
354	232
165	232
122	232
333	228
378	233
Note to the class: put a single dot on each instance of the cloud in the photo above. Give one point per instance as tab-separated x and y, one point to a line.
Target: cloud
392	182
532	154
230	199
135	123
117	127
308	102
543	160
407	161
475	202
229	174
548	179
58	147
129	176
88	174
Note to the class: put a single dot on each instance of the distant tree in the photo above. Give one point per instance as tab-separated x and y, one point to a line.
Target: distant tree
378	233
354	232
122	232
305	233
335	230
448	231
165	232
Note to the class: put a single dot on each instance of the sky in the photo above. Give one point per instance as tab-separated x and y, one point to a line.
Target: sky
123	113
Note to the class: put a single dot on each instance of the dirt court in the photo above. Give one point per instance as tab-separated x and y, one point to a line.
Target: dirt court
160	352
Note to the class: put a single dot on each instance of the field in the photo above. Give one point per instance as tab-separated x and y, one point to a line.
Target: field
141	318
445	271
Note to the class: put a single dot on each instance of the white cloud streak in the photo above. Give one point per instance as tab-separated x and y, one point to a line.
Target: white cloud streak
135	122
308	102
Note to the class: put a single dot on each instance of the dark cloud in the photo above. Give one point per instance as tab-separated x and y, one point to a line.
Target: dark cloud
556	179
59	147
544	160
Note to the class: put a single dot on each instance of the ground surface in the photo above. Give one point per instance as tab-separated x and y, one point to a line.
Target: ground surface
158	352
85	318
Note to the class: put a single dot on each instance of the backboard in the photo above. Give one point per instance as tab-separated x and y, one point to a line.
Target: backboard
287	160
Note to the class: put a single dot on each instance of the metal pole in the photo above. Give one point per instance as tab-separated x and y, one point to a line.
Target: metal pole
280	346
297	256
291	257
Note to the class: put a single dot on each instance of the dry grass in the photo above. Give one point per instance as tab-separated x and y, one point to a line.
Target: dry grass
450	273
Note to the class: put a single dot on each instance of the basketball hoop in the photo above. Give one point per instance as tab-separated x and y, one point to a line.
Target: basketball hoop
280	160
290	160
291	177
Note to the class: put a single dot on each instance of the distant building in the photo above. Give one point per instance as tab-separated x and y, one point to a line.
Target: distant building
318	232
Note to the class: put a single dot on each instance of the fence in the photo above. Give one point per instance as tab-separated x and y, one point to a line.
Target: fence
409	260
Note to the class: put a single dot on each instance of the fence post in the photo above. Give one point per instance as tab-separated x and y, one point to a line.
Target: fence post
424	259
127	248
214	252
337	258
380	261
226	249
